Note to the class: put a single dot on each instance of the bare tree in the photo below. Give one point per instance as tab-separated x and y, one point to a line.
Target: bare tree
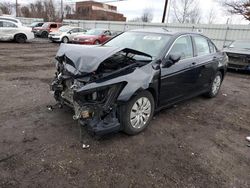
147	15
6	8
186	11
41	9
240	7
211	16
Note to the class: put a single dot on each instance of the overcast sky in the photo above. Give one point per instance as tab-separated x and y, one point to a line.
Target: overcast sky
134	8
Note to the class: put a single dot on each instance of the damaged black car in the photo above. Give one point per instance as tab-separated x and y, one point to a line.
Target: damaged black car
119	85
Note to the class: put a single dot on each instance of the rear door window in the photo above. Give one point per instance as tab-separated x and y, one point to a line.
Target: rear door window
182	46
9	24
53	25
202	46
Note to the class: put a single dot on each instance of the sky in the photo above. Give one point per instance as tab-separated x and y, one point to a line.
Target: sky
134	8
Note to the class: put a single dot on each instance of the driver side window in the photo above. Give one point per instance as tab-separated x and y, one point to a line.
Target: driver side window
182	46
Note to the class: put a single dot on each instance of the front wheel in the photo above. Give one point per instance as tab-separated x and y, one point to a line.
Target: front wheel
135	115
215	86
65	39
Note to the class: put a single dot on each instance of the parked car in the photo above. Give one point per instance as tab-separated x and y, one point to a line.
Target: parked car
239	55
10	30
65	34
8	18
93	36
36	24
46	28
120	84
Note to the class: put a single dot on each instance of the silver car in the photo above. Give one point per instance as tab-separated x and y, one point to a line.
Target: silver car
65	34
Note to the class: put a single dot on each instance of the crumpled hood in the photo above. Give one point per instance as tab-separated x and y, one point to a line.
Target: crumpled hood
86	59
237	51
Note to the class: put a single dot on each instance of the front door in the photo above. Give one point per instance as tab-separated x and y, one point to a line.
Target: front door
179	80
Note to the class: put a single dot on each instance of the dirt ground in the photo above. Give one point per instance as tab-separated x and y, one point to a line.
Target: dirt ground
198	143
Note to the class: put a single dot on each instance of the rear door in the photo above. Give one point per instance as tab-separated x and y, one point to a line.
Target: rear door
179	81
206	59
7	30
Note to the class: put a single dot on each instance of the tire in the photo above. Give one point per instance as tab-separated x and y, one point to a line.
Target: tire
215	86
44	34
134	118
65	40
97	42
20	38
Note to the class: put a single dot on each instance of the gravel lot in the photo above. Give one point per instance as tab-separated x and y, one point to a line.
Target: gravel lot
198	143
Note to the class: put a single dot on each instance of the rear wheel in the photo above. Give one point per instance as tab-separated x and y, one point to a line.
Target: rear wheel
44	34
215	86
137	113
20	38
97	42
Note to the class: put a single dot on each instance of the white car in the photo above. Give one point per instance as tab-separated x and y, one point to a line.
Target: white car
65	34
8	18
10	30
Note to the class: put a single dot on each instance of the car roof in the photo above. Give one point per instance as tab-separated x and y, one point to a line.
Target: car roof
6	18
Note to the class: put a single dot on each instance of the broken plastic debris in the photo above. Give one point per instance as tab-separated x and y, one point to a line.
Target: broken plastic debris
85	146
248	138
50	108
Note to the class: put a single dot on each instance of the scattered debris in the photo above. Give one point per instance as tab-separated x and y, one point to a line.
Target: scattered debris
248	145
7	158
224	94
25	140
191	117
85	146
50	108
42	160
192	154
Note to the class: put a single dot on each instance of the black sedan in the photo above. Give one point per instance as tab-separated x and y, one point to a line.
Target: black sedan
119	85
239	55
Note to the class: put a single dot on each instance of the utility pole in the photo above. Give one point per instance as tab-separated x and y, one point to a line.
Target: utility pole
62	9
16	8
164	11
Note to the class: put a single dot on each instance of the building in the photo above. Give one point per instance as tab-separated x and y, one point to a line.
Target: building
91	10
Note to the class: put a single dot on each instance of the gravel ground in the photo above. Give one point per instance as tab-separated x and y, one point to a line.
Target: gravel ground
197	143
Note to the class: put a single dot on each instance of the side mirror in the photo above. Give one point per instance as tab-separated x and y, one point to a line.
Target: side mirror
70	32
171	60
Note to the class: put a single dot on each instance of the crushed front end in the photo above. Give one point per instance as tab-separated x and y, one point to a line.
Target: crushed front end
93	93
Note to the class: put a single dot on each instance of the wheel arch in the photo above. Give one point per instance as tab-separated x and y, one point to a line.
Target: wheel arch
20	34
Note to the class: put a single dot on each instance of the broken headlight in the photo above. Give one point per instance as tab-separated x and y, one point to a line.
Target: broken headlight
102	95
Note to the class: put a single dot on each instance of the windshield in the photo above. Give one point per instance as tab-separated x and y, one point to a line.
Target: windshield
46	25
149	43
33	24
64	29
94	32
240	44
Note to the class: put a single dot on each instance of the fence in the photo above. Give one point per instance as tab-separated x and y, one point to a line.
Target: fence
28	21
220	34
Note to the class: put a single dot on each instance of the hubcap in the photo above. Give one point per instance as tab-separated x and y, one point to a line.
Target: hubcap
216	85
140	112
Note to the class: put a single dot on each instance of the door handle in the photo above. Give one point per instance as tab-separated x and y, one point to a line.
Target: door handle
194	63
